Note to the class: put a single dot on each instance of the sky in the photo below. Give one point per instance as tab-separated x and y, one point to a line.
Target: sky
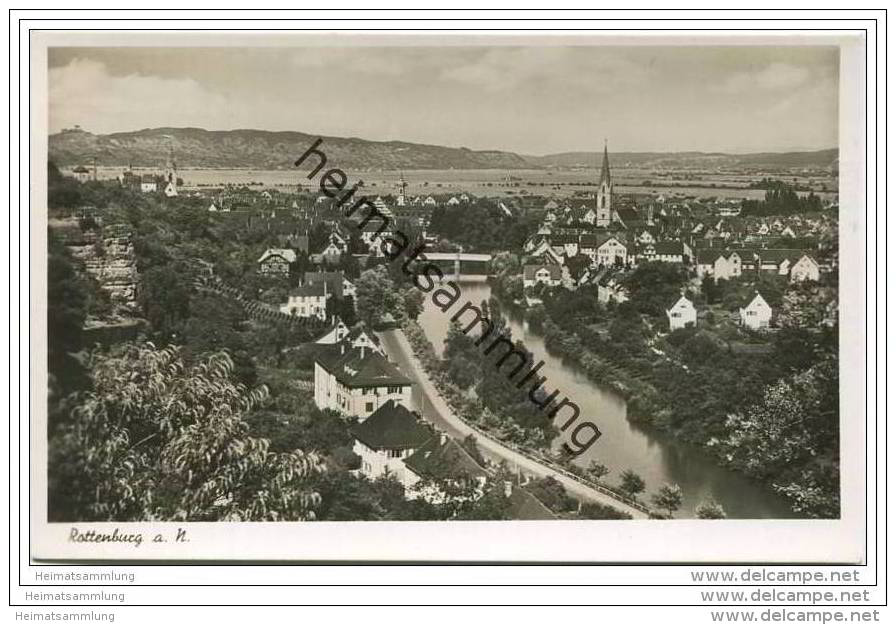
527	99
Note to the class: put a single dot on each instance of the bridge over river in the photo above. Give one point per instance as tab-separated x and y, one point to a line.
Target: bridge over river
457	264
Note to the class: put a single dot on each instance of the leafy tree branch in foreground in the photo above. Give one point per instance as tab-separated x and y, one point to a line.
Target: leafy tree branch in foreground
159	440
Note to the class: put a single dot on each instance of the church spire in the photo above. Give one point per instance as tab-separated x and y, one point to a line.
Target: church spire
402	185
605	167
604	215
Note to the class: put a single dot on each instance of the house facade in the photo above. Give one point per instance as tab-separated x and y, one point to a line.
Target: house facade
611	252
682	314
805	268
148	183
276	261
337	284
757	314
549	275
727	267
307	301
334	334
81	173
356	381
390	435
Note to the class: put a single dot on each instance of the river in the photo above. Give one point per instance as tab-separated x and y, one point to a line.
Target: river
656	456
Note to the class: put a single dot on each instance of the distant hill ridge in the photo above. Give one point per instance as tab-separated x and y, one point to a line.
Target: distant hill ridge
264	149
819	158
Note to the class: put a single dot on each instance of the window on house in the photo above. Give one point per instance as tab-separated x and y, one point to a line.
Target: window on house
395	453
368	406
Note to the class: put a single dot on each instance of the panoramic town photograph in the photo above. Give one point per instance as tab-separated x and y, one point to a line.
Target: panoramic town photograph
443	283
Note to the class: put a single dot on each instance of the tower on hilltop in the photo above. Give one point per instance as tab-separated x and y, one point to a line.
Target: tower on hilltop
604	207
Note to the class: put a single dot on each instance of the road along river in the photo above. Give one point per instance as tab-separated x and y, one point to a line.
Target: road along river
656	456
428	402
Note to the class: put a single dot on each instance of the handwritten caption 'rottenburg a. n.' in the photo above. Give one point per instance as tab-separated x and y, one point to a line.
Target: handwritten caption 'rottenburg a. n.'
129	538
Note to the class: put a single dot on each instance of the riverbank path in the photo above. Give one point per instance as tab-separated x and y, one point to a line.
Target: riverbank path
429	403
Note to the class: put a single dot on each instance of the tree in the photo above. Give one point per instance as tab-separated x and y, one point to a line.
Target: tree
62	192
413	303
158	440
213	324
552	494
710	289
815	493
342	307
66	313
794	422
710	509
593	510
597	470
668	498
165	298
654	287
632	483
792	434
462	371
372	290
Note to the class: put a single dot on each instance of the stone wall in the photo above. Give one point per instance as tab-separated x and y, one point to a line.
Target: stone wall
107	255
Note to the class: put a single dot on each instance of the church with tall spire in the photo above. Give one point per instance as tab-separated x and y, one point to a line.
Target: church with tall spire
604	208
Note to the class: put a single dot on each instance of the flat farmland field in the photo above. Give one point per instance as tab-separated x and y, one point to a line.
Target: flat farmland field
507	183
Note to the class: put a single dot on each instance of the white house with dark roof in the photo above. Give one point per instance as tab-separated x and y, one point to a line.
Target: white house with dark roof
148	183
645	236
337	284
331	253
673	252
757	315
361	338
357	381
307	301
728	266
677	252
276	261
81	173
682	314
805	268
549	275
391	434
611	252
334	334
373	233
705	262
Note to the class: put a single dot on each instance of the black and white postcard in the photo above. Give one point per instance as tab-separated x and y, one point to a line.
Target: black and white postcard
434	297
